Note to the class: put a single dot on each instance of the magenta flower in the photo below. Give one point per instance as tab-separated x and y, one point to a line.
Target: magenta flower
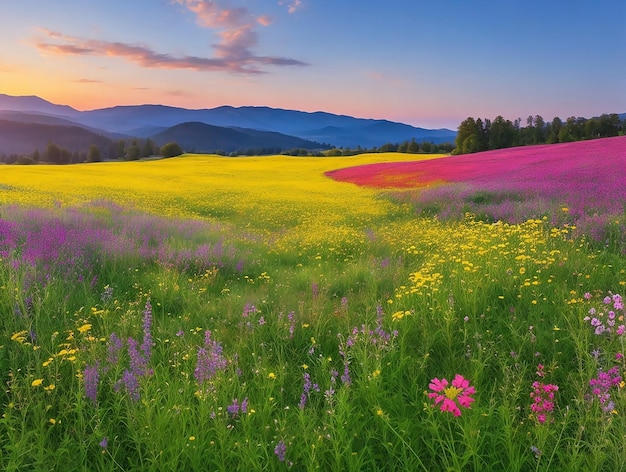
543	398
447	396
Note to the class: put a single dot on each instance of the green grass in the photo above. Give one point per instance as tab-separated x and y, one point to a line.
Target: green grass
506	300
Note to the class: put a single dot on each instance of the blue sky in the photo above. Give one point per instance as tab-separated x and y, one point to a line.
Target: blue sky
426	63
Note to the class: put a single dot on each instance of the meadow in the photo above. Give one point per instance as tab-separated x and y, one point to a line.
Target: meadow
212	313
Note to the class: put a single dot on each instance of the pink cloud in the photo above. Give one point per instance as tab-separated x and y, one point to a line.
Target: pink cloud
293	5
264	20
87	81
236	31
217	14
233	53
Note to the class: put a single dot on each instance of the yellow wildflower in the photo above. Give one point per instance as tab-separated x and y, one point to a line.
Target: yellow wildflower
20	336
84	328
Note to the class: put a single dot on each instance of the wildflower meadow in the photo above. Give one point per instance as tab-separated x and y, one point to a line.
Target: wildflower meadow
251	313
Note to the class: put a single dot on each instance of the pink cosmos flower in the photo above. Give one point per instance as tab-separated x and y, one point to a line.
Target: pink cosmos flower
447	396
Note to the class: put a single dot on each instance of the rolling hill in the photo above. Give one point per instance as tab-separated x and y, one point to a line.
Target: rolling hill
18	137
203	138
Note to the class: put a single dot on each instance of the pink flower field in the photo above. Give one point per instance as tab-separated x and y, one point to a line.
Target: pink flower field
580	183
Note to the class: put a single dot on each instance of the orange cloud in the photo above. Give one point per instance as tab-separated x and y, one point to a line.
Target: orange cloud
233	53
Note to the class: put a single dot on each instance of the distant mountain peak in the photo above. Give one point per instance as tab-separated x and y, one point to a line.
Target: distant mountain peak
33	103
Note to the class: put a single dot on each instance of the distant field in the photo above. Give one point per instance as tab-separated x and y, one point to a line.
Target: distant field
206	186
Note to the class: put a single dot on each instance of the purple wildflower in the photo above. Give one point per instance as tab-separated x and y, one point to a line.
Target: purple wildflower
291	316
138	363
280	450
146	346
115	345
130	381
210	359
601	386
248	310
233	408
306	390
91	377
345	377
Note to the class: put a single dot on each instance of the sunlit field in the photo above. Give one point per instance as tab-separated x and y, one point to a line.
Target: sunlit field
213	313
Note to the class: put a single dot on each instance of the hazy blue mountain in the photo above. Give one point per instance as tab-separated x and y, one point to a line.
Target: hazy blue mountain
369	134
35	104
338	130
52	120
200	137
147	120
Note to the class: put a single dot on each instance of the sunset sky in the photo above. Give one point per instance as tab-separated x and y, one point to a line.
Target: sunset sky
425	63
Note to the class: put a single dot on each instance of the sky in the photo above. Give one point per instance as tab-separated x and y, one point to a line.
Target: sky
425	63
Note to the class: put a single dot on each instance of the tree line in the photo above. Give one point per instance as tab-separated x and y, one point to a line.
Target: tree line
129	150
409	147
476	135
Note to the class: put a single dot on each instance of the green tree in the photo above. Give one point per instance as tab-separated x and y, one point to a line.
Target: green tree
389	147
502	133
553	130
148	148
470	136
53	154
403	146
94	154
120	149
171	150
573	129
133	152
609	125
539	130
413	147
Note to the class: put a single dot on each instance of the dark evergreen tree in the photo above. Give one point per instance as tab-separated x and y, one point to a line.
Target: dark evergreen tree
94	154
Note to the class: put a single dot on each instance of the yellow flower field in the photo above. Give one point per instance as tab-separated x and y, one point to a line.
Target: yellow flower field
206	186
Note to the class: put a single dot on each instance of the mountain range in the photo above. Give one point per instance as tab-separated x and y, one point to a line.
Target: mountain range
28	121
